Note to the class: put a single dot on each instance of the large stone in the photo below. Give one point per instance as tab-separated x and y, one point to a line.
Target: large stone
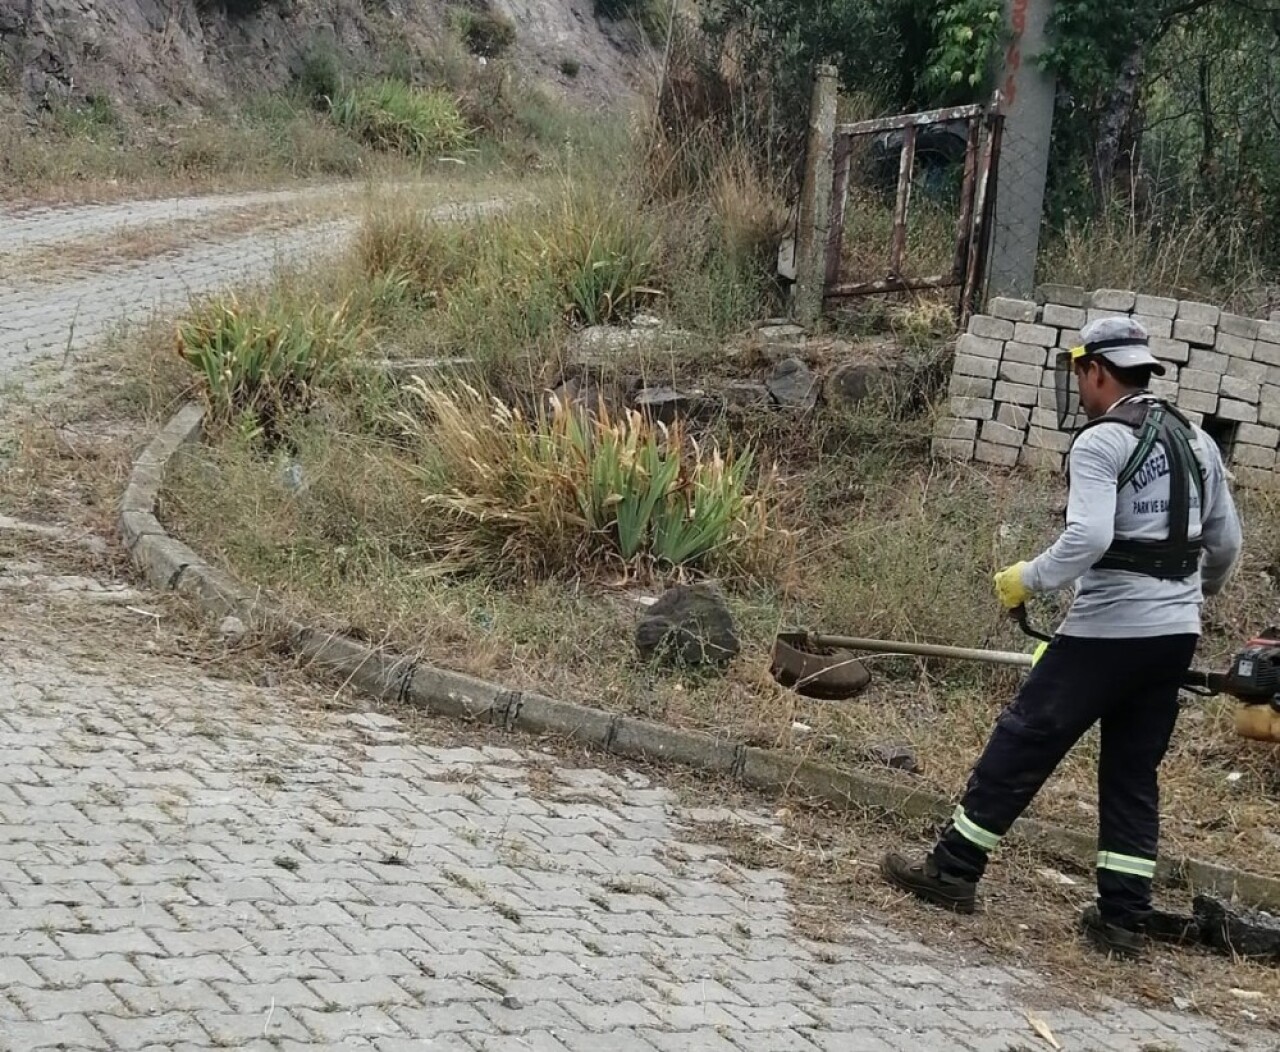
898	757
746	393
666	404
1240	932
793	384
689	625
853	382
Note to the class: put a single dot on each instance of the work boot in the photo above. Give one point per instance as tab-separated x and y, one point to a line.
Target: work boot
1111	939
926	881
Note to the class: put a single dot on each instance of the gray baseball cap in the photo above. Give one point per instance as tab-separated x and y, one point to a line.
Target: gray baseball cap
1122	341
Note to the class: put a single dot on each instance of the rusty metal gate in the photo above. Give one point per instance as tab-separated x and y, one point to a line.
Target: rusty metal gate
983	126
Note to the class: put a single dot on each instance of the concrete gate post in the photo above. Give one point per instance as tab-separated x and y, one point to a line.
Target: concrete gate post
813	221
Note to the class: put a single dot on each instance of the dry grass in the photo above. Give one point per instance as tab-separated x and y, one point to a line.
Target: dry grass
1198	256
890	548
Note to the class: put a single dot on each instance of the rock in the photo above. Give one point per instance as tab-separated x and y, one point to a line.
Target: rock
1239	932
793	385
664	404
743	393
899	757
232	630
604	344
854	382
689	625
778	332
580	393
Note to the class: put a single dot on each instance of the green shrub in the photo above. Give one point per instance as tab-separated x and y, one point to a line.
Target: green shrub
95	118
651	16
570	67
319	76
485	33
569	487
257	363
391	115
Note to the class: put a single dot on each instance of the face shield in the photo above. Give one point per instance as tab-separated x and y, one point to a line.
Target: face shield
1065	390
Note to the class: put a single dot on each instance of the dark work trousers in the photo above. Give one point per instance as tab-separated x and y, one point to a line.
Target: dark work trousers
1131	687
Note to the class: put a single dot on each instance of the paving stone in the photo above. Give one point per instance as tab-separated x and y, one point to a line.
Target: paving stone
948	427
1113	301
1002	434
1199	313
990	328
1012	310
1258	435
1236	346
1242	390
1157	328
1025	354
1190	379
1035	335
971	365
978	347
1063	317
1241	411
1156	306
1194	333
970	386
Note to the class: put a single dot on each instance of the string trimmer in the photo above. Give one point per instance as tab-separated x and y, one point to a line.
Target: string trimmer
1252	678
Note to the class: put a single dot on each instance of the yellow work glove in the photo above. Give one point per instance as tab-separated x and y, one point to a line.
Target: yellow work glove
1010	590
1038	653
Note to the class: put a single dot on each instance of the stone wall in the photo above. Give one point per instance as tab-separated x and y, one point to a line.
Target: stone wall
1223	371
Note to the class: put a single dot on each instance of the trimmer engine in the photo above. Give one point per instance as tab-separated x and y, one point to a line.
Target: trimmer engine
1254	676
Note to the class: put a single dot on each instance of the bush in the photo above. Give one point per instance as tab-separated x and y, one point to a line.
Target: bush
319	77
569	487
259	362
391	115
651	16
570	67
484	33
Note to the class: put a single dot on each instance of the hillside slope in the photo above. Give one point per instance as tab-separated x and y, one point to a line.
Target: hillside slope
148	54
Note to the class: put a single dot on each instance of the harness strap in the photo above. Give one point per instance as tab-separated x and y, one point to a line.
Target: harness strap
1158	423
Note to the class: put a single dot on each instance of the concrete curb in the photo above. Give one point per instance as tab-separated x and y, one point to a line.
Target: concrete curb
169	565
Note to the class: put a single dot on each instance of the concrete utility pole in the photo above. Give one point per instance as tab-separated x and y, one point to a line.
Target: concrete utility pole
1028	94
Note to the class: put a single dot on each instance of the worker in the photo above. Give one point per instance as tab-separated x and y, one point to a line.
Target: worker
1151	528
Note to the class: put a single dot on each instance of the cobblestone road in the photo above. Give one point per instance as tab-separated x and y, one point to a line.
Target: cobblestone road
40	321
191	864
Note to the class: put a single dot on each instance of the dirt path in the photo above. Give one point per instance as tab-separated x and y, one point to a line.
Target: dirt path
200	849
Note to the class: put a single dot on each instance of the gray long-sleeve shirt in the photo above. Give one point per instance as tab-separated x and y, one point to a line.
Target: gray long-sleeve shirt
1116	604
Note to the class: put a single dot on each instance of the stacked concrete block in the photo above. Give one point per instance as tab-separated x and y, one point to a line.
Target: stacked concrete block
1223	372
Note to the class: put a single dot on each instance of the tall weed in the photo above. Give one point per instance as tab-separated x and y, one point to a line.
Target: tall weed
568	489
257	362
392	115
